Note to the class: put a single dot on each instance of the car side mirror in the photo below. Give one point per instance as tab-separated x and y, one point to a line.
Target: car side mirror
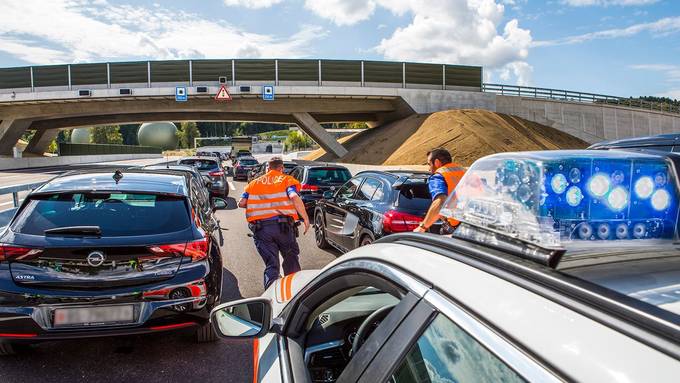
328	194
243	319
208	184
219	203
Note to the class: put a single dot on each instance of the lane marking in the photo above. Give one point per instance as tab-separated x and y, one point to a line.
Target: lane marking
231	185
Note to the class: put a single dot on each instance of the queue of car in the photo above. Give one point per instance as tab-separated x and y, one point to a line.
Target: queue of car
564	268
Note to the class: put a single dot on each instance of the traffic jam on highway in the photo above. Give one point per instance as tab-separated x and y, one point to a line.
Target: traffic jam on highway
545	266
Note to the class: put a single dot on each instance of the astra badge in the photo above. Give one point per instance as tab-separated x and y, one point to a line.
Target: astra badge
95	258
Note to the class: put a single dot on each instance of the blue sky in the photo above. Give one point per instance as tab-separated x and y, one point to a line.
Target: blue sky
618	47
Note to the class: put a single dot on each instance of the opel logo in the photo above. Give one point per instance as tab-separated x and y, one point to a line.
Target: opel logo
95	258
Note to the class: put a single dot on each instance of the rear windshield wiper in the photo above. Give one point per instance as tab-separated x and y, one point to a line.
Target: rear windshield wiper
75	230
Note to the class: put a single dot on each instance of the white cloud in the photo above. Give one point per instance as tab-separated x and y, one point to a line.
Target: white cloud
252	4
662	27
460	32
670	72
342	12
45	32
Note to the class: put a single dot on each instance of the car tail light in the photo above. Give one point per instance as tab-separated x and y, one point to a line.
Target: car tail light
396	222
309	188
8	252
218	173
197	250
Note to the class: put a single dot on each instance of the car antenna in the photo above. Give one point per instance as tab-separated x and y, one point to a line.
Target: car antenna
167	160
117	176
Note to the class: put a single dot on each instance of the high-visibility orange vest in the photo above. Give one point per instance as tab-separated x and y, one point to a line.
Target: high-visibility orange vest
268	196
452	173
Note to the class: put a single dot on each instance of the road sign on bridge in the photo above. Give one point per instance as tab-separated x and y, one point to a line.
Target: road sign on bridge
181	94
268	93
223	94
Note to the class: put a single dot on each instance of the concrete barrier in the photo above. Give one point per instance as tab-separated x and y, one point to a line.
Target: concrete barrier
33	162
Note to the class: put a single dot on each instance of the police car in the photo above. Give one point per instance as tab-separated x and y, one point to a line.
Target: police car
564	268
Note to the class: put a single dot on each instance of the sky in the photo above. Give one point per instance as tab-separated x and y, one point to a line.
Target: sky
613	47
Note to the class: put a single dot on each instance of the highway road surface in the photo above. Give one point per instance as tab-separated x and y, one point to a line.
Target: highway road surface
171	356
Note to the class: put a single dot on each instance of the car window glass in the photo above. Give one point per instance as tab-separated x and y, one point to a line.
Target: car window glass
347	190
368	189
327	176
200	164
446	353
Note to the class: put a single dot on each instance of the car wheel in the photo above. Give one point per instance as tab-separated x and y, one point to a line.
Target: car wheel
206	334
320	233
7	349
366	240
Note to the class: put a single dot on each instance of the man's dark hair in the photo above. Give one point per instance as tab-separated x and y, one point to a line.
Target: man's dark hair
440	154
275	163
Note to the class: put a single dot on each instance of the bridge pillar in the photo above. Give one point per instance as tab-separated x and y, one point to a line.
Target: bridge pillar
41	140
10	132
307	123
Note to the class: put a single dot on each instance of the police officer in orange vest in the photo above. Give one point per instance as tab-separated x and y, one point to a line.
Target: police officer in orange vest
445	177
273	208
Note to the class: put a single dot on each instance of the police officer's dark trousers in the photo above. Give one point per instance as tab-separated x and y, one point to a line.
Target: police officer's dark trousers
272	238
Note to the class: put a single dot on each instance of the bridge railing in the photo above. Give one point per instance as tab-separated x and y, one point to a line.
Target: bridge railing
14	190
573	96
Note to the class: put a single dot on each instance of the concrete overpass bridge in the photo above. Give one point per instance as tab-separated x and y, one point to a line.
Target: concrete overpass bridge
307	93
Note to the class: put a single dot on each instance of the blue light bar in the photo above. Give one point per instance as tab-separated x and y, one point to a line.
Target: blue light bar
552	198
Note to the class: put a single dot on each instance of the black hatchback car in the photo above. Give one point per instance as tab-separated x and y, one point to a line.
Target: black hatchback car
243	166
317	179
109	253
369	206
211	168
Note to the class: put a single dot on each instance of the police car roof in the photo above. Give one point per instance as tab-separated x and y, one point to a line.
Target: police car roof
133	180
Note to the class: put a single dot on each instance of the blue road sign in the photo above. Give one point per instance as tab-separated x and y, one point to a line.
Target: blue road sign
268	93
181	94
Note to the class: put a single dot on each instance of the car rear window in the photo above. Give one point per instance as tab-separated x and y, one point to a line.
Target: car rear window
116	214
248	162
200	164
414	197
328	176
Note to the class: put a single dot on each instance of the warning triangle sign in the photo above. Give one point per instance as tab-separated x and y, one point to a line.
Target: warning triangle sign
223	94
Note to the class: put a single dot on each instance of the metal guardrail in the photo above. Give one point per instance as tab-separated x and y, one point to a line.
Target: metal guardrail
567	95
16	189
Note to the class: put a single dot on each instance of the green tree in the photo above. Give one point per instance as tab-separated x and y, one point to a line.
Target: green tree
297	140
186	134
109	134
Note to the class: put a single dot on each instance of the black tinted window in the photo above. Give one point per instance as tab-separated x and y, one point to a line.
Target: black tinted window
200	164
116	214
414	197
327	176
246	162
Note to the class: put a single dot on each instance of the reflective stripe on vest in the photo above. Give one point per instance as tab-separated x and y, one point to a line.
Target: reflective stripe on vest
452	174
268	198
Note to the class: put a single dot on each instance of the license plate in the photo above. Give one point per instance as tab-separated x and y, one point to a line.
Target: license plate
89	316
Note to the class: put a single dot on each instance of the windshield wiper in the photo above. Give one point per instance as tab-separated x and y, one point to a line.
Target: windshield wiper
75	230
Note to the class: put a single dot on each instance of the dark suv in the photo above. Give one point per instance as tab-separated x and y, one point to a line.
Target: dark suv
110	253
371	205
317	179
243	166
211	168
662	143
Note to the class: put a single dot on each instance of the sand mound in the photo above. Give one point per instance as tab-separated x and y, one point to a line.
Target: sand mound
468	134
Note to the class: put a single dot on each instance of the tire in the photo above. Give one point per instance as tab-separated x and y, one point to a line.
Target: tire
320	233
7	349
365	240
206	334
